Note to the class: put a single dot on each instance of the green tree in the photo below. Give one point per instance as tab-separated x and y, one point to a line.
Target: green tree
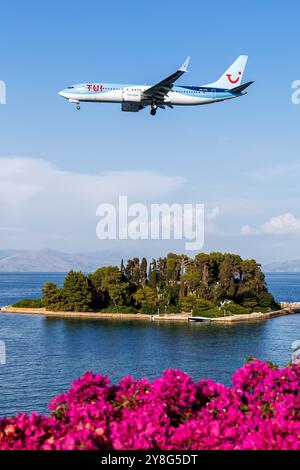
152	275
104	277
248	299
161	272
171	281
252	277
111	286
265	299
78	293
230	275
122	268
145	296
133	272
119	294
173	268
53	297
192	278
143	272
188	303
172	294
215	260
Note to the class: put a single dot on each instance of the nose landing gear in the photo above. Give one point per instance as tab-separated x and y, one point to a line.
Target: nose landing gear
77	102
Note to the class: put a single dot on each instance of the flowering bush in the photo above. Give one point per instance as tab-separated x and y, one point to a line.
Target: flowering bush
260	411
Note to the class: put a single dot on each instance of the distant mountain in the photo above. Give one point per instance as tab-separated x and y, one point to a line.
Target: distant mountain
292	266
47	260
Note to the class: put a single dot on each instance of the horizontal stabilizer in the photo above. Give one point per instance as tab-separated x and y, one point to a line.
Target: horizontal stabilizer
240	88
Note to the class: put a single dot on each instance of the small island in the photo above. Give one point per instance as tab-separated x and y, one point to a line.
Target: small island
215	286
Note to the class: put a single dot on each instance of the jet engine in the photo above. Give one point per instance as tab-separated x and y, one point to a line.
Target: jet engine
131	107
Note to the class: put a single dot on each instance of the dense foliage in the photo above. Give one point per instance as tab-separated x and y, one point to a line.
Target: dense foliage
260	411
168	284
29	303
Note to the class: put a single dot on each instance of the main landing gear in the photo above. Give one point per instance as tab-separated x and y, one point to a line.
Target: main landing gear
78	107
153	109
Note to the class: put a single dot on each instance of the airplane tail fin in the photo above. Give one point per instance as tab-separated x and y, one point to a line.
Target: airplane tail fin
233	76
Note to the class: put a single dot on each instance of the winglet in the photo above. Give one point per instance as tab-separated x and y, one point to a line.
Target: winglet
184	66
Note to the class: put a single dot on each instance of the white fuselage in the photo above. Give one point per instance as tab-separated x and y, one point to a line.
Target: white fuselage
134	94
164	93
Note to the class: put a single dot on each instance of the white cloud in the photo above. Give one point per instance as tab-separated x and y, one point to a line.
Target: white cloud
214	213
283	224
248	230
43	203
210	225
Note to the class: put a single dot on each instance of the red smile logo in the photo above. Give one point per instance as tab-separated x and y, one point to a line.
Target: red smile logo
231	80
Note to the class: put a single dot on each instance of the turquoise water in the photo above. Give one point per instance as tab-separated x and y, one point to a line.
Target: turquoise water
45	355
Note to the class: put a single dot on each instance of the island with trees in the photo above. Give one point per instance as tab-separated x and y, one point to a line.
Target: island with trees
211	285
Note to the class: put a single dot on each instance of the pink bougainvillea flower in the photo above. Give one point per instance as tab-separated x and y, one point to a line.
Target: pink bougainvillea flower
260	411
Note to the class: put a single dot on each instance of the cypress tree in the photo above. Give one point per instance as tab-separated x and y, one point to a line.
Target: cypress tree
143	272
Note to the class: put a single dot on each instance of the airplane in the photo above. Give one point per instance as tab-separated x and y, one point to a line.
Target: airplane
163	94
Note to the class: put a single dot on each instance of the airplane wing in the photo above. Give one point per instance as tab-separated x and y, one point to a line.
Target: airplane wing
158	91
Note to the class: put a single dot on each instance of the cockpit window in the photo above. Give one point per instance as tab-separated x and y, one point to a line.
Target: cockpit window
70	87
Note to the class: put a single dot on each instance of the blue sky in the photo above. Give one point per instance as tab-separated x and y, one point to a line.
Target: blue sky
240	157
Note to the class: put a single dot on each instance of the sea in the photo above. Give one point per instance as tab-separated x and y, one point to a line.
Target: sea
42	356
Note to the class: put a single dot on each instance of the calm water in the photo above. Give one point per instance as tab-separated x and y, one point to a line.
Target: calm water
45	355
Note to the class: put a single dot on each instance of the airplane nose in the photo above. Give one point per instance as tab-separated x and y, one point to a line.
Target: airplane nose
64	93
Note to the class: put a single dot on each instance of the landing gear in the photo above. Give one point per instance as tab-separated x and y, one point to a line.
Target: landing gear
77	102
153	108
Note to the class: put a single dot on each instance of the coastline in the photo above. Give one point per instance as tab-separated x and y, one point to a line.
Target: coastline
182	317
87	315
